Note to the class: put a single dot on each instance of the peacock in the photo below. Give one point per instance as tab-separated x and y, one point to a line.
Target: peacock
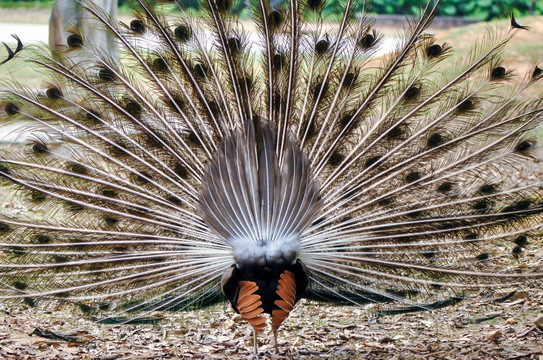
211	163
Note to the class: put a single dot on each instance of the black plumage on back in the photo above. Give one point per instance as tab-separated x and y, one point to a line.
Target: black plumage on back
295	165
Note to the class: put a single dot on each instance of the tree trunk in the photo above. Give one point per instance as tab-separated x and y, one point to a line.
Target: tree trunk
68	13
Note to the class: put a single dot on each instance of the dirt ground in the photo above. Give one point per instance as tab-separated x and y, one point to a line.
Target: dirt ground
471	330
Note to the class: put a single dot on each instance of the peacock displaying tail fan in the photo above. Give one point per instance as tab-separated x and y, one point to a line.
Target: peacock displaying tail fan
296	163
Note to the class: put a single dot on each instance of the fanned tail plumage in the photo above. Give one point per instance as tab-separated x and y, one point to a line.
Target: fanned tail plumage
299	164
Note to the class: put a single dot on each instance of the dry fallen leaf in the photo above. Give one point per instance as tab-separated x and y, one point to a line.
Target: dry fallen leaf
494	335
539	322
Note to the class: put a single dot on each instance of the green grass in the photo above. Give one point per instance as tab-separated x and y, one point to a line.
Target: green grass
39	15
24	72
27	4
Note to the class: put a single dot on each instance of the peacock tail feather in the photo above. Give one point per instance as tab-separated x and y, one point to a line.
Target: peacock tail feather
383	178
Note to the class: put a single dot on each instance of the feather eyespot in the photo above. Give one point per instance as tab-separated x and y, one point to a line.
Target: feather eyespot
118	148
518	206
86	309
348	120
396	132
110	221
17	251
78	168
20	285
39	149
412	92
4	228
29	301
142	178
471	237
43	239
372	160
415	214
4	170
498	73
92	116
74	41
61	295
183	33
412	177
181	171
174	200
37	197
214	108
234	44
367	41
110	193
483	257
106	74
310	130
53	93
521	241
246	83
320	89
60	259
200	70
74	207
160	65
11	109
177	103
322	46
315	5
275	19
194	139
336	158
348	194
133	108
429	254
349	79
278	61
445	187
137	26
466	105
434	140
481	206
434	50
223	5
487	189
318	221
523	146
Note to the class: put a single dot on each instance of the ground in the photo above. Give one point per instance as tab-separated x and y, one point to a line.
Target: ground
471	330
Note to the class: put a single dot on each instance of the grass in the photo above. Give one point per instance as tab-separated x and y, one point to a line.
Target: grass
23	72
39	15
520	54
33	15
27	4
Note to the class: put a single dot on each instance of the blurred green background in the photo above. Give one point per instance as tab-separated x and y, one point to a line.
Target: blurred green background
477	9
